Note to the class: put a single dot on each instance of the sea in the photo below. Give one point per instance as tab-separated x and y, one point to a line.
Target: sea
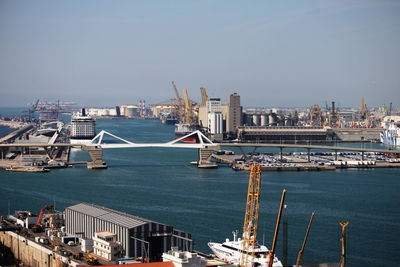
159	184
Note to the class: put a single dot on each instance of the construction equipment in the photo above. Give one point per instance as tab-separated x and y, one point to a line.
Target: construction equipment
91	260
204	96
180	107
343	241
188	107
301	251
316	117
251	217
37	227
278	222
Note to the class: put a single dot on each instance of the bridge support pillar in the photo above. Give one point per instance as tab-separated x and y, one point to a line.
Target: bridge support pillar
308	155
362	155
281	153
3	152
96	154
204	160
336	155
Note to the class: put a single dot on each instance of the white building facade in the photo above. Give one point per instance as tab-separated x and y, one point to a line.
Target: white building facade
105	245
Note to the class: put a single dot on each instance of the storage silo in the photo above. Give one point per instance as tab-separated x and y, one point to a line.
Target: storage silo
256	119
264	120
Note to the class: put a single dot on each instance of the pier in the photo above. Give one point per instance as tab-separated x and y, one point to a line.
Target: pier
58	153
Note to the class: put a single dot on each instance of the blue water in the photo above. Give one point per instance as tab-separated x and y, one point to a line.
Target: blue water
160	185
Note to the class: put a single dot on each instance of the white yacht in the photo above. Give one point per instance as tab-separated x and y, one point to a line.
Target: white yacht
231	251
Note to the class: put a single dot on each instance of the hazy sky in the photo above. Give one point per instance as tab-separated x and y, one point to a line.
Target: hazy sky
273	53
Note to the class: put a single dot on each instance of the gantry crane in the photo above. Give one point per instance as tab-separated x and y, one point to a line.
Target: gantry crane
316	118
251	217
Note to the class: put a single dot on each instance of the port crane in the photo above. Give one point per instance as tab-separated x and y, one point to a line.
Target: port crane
251	216
316	117
204	96
37	226
188	107
180	106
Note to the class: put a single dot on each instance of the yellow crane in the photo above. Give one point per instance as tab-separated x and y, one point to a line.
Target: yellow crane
316	118
180	103
204	96
251	217
188	107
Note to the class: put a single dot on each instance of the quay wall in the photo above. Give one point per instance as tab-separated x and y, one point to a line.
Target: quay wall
33	254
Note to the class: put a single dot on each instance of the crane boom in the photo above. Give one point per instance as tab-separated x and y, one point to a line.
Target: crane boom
204	96
251	217
39	219
188	107
180	103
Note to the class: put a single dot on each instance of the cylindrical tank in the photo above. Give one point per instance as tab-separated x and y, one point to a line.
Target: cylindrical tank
130	112
256	120
271	119
264	120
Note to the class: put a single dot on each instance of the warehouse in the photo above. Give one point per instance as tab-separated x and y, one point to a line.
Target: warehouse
138	236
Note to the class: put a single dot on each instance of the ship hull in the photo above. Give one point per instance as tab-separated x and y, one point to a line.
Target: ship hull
390	137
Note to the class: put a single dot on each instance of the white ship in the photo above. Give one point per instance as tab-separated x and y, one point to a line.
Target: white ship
231	251
391	134
83	128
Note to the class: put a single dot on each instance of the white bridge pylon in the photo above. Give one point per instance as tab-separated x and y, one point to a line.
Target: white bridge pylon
204	142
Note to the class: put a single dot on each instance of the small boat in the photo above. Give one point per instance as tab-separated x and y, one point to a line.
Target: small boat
27	169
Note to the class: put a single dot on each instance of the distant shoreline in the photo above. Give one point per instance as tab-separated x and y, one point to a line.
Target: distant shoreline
12	124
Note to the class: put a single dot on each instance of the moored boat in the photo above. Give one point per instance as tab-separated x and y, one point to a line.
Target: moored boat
231	251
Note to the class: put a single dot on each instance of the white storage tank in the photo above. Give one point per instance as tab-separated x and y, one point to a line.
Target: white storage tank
264	120
131	112
256	120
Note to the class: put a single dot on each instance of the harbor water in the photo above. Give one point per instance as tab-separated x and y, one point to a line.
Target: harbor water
159	184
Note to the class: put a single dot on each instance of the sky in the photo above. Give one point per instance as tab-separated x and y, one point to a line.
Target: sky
272	53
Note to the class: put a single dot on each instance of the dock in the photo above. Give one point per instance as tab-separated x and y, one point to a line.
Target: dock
300	163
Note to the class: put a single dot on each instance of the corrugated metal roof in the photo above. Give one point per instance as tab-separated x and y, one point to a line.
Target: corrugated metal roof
109	215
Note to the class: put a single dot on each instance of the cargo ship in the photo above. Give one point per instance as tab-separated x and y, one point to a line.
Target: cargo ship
169	119
83	128
182	129
391	134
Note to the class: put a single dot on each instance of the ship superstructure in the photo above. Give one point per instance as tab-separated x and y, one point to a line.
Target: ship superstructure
83	127
391	133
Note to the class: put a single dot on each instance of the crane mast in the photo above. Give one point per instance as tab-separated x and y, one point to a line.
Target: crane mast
204	96
251	217
188	107
180	103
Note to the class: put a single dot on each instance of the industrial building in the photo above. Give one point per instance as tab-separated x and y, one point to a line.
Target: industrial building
284	134
139	237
